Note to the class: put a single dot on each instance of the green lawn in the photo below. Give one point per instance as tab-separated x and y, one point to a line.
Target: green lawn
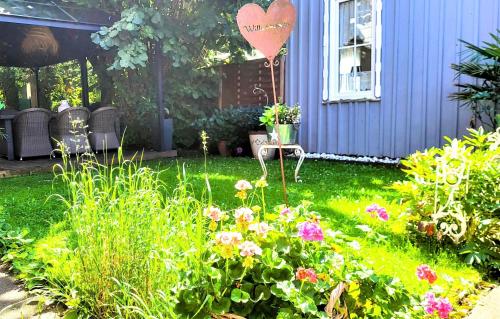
339	192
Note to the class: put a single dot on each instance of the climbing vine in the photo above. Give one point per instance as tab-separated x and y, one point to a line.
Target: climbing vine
192	35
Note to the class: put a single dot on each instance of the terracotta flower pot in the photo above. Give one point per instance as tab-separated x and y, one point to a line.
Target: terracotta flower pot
257	139
223	148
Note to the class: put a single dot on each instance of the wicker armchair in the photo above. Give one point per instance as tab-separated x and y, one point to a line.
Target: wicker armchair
31	133
104	127
69	127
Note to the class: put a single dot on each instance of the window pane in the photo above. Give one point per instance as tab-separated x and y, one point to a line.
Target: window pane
355	69
364	24
347	70
365	67
347	23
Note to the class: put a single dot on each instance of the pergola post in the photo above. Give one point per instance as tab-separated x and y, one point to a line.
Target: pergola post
85	82
37	81
162	147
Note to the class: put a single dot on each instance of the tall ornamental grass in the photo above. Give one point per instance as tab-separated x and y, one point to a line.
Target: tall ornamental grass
133	244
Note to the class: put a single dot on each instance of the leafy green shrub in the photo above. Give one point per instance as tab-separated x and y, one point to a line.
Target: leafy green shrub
454	196
482	96
231	124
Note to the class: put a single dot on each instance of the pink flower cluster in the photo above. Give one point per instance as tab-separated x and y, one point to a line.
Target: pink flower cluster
309	231
243	215
249	249
213	213
309	274
424	272
377	210
228	238
441	305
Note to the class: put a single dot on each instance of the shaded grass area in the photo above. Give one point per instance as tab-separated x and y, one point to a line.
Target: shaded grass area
340	192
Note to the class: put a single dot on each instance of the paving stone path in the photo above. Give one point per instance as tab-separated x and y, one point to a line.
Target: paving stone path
15	303
487	307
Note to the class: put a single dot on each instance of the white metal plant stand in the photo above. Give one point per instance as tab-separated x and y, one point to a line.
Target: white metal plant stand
297	149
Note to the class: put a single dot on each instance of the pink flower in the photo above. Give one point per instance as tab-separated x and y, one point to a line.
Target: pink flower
373	209
285	211
444	308
382	215
213	213
309	274
286	214
228	238
430	303
243	215
424	272
260	229
377	210
243	185
310	231
249	249
442	305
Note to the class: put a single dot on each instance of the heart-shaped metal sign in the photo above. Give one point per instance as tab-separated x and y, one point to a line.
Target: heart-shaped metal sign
267	31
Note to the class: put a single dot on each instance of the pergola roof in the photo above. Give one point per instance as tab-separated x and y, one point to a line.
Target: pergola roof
37	33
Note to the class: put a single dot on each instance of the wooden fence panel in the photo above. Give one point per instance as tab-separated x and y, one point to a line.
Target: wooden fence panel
238	83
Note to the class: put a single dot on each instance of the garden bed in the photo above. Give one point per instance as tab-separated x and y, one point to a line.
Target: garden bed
351	188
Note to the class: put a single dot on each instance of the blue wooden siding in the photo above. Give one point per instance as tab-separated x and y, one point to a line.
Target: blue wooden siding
419	43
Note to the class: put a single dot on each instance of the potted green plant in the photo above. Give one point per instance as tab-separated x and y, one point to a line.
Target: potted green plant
289	122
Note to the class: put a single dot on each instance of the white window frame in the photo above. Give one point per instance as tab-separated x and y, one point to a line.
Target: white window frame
331	54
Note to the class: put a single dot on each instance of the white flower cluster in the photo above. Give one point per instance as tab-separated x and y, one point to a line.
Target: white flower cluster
360	159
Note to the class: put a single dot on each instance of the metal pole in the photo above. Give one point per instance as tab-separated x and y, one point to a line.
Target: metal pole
159	98
85	82
277	125
159	91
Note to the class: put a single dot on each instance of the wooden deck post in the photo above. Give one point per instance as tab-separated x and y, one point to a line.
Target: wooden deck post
162	147
85	82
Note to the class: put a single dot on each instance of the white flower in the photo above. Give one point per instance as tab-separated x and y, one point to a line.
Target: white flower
260	229
364	228
338	261
243	185
355	245
249	249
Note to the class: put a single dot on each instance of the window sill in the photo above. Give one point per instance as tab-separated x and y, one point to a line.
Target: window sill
351	99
